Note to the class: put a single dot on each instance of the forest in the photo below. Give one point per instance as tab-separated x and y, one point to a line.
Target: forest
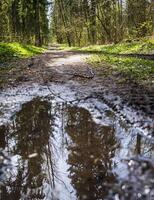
76	99
77	22
24	21
84	22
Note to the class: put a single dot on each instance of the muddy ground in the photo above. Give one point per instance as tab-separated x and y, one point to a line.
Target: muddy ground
58	97
63	66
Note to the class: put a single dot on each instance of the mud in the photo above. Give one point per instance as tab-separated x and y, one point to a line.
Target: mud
63	66
68	131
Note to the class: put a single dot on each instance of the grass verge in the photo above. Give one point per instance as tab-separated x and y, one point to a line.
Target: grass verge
142	46
10	51
138	69
9	54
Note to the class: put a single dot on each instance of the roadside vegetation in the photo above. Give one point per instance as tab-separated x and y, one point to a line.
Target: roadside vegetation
134	46
140	70
9	51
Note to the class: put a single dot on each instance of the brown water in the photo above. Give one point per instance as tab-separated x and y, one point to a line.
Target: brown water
56	150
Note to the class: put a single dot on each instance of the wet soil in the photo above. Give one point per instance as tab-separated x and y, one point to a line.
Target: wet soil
69	131
63	66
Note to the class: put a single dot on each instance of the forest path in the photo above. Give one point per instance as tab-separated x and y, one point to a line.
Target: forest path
58	68
66	67
55	66
74	115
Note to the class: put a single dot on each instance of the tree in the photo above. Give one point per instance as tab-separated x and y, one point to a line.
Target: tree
25	21
83	22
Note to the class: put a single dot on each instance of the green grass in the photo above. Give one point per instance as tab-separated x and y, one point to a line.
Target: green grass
142	46
138	69
16	50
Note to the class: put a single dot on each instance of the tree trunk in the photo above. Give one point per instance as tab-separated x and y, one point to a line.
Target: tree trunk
37	25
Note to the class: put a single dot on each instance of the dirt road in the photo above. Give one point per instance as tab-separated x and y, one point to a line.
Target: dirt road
62	120
56	66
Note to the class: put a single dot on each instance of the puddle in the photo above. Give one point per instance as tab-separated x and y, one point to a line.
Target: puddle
53	149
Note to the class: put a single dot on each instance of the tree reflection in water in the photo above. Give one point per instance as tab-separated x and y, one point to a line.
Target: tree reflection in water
58	147
91	152
29	137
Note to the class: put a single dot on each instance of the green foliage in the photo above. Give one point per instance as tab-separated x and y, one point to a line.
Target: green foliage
12	50
80	23
142	46
24	21
129	47
139	69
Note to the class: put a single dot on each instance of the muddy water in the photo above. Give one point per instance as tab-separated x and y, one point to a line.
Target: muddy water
53	149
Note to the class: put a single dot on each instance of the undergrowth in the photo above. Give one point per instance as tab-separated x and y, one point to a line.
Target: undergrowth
138	69
16	50
141	46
